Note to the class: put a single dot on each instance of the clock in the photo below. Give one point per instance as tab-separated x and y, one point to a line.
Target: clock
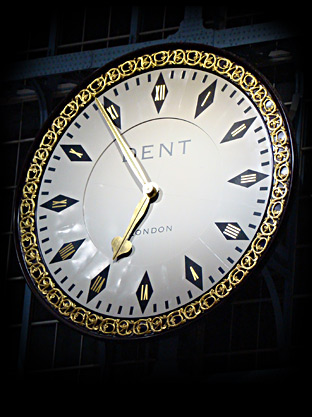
153	191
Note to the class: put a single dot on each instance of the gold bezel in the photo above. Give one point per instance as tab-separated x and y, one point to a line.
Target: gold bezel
281	144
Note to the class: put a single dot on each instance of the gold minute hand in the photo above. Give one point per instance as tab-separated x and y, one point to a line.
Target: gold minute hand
126	151
122	245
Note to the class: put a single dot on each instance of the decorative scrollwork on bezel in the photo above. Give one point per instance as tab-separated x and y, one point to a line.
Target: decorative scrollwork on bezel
281	144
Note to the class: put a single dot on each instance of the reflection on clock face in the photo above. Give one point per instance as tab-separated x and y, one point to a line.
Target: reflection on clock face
204	143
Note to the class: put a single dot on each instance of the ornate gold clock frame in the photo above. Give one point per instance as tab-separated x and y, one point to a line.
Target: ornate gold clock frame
214	61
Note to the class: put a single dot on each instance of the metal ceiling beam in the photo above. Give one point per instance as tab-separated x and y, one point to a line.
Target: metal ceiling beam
191	30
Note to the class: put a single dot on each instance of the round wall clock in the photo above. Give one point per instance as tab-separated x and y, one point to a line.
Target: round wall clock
153	190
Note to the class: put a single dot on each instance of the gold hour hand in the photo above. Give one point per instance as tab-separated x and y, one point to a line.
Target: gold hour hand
122	245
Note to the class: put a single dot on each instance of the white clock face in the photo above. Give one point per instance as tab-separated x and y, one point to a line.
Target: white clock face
204	143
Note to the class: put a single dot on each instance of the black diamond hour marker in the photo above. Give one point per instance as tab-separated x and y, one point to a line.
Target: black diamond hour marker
67	251
114	111
248	178
98	283
205	98
238	130
159	92
59	203
232	231
76	153
144	292
193	273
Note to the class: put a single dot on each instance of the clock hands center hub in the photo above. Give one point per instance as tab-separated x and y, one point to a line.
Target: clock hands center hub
171	154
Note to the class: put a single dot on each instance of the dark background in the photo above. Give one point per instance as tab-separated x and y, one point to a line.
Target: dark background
262	332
